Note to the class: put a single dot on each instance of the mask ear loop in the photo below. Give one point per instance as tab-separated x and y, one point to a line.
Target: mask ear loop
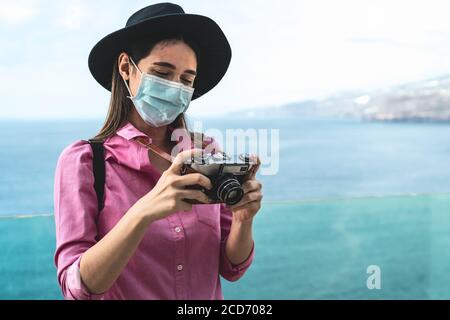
140	81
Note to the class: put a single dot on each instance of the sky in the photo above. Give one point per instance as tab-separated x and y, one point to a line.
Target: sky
283	51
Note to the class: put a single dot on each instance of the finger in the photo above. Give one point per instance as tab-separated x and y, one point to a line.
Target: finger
185	206
251	185
249	197
184	158
193	195
252	206
194	179
254	169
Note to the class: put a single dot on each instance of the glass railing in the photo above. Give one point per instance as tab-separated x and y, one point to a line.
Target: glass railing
317	249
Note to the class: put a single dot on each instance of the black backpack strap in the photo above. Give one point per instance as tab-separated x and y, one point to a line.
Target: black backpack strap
99	170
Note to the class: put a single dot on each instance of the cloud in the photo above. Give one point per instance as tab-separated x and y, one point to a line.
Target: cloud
73	17
16	13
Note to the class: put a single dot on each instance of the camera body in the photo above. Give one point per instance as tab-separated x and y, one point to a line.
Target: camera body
226	174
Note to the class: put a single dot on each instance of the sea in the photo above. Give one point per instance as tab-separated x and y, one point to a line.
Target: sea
352	209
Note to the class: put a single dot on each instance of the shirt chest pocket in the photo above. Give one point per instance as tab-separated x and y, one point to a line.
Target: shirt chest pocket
208	214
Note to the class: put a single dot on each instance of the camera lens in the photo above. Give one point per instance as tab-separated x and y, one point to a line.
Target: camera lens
230	191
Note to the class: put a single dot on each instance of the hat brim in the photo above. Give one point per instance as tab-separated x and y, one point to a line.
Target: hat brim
214	48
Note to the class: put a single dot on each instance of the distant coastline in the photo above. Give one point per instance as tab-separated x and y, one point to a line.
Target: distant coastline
426	101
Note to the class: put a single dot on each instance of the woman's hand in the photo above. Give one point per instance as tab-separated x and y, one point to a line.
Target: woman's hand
250	204
170	191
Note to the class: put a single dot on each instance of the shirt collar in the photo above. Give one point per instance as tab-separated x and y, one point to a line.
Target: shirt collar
129	132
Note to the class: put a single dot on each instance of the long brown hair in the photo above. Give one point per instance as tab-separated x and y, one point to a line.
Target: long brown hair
119	105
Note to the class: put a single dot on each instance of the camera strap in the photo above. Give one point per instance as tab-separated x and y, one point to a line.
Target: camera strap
98	167
155	149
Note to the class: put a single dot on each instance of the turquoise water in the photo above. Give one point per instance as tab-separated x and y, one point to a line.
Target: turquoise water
348	195
304	250
321	249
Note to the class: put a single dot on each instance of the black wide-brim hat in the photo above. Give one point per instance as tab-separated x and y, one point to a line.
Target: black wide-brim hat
159	20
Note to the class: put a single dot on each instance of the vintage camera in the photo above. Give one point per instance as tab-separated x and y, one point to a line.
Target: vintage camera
226	174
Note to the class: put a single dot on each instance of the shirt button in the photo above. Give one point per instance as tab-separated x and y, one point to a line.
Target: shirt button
180	267
177	229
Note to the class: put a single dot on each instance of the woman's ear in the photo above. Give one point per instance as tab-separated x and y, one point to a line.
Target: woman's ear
124	66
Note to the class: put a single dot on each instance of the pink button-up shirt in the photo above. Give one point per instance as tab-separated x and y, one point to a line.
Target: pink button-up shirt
180	257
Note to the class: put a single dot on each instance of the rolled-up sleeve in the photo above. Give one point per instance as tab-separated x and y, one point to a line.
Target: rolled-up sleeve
228	270
75	208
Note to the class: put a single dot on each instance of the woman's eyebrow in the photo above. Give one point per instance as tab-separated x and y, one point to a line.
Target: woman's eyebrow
171	66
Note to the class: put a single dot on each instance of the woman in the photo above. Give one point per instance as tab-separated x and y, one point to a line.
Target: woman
147	241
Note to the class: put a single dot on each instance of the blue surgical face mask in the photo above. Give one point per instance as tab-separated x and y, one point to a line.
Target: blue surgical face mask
159	101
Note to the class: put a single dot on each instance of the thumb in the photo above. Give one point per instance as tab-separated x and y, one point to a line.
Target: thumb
256	164
184	157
